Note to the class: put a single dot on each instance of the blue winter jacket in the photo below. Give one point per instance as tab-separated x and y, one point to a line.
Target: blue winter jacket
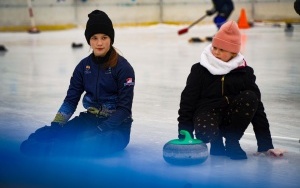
109	90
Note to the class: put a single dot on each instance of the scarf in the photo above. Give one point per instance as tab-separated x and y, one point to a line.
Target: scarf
218	67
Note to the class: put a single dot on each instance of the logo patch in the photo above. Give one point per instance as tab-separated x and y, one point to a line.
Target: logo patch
129	82
87	69
108	71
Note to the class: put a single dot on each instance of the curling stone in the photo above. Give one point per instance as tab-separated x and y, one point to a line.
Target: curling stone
2	48
187	151
77	45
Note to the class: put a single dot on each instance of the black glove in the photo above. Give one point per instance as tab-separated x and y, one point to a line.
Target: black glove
188	126
210	12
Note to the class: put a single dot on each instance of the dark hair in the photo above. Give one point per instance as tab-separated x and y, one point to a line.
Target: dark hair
112	59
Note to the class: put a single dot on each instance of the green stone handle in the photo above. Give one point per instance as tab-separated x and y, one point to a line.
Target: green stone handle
186	140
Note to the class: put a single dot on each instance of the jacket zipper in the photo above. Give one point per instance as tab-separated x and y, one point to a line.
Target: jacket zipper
222	80
97	84
97	94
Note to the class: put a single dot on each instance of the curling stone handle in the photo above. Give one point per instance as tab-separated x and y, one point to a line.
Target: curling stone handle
187	136
187	139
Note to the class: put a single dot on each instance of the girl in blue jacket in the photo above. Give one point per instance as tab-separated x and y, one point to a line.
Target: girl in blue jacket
107	81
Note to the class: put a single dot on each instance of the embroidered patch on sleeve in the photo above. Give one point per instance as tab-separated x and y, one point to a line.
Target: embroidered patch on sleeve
87	70
129	82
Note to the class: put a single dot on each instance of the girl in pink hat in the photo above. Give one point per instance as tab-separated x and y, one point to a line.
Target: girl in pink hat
221	98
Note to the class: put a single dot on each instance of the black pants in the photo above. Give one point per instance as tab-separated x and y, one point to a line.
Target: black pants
236	117
78	137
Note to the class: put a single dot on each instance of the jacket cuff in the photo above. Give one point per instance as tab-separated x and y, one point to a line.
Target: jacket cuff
265	147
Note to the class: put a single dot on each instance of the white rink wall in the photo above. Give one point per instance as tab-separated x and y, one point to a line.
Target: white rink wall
14	13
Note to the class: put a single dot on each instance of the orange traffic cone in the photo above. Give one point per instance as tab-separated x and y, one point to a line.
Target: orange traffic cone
243	22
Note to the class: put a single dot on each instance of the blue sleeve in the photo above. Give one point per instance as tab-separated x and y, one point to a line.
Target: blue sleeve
74	93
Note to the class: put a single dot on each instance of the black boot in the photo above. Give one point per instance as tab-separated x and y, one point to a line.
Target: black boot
217	147
233	148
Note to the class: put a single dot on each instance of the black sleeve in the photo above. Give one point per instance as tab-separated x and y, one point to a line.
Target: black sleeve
260	122
262	129
188	102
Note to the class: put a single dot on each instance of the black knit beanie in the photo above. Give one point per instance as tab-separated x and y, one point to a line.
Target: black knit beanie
99	22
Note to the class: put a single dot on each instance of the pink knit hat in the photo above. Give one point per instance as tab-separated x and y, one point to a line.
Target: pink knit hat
228	37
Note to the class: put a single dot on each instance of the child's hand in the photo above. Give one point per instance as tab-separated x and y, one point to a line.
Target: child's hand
273	152
276	152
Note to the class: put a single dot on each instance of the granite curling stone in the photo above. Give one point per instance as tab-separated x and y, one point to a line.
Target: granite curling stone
186	151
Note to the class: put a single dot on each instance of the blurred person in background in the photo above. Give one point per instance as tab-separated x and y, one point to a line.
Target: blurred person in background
223	9
297	6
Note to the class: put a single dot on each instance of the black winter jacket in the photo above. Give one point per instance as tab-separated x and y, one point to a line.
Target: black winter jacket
205	90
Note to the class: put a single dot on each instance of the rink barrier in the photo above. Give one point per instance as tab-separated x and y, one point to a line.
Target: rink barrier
48	12
41	28
72	26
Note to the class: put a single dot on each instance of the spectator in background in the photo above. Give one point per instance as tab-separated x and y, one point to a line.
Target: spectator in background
223	8
297	6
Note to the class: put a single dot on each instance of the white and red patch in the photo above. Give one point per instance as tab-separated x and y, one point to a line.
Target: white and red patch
129	82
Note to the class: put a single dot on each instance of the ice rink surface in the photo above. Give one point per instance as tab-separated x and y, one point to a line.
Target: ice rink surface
34	77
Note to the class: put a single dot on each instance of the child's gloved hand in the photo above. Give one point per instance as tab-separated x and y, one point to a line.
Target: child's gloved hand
210	12
93	110
59	119
273	152
98	112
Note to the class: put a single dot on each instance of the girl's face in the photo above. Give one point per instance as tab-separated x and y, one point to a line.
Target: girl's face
222	54
100	43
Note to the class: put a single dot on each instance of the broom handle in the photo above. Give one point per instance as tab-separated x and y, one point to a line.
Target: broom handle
185	30
195	22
